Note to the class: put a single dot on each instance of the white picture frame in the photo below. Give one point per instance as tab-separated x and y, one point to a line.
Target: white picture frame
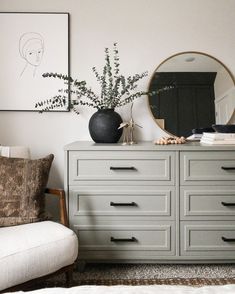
32	44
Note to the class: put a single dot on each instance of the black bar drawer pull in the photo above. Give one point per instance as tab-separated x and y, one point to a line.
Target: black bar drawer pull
227	203
228	167
122	168
123	204
132	239
228	239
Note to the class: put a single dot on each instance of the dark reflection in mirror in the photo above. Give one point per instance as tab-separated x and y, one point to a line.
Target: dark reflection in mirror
188	88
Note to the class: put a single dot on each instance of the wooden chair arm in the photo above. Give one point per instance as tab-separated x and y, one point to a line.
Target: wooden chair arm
63	212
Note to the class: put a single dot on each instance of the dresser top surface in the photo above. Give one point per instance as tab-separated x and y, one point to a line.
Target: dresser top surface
144	146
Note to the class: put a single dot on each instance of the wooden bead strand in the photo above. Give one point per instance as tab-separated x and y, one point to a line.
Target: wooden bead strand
170	140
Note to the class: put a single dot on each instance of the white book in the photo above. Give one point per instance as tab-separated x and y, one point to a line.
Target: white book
217	142
217	139
219	136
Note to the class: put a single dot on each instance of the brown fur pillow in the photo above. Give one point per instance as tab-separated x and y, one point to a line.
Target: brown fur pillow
22	185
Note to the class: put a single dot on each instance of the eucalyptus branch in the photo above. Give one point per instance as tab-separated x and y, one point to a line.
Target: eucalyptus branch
116	89
52	103
131	83
59	76
131	98
109	71
116	60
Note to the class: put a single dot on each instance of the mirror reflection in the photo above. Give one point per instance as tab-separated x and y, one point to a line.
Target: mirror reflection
193	90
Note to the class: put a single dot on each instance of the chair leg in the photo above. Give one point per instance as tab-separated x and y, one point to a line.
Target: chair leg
80	267
69	278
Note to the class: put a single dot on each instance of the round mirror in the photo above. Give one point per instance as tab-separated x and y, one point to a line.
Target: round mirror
192	90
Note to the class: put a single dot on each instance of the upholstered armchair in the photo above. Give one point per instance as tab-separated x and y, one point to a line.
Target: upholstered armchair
35	250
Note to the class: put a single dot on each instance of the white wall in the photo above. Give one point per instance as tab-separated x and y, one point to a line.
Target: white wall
147	31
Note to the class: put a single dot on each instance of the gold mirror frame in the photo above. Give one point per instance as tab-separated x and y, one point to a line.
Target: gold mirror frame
159	124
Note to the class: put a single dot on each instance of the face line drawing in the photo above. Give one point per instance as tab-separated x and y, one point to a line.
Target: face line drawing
31	49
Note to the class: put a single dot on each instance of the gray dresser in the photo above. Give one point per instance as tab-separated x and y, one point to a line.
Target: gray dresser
151	203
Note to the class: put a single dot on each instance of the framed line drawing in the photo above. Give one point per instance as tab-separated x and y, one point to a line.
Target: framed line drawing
32	44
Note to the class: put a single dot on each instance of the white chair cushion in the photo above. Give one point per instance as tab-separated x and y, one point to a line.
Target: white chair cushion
34	250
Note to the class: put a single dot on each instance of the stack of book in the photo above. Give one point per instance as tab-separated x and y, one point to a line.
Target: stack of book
218	138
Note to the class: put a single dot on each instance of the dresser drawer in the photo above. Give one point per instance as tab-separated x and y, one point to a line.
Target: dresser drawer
118	201
217	167
121	166
208	238
207	203
159	238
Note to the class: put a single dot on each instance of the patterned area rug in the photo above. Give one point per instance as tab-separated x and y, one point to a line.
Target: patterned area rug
148	274
186	282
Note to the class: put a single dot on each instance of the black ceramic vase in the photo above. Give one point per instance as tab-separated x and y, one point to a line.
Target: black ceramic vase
103	126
